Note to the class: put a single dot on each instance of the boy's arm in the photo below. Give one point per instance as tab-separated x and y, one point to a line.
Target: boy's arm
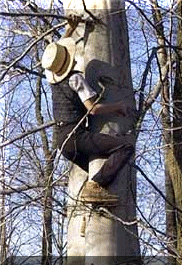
73	21
117	108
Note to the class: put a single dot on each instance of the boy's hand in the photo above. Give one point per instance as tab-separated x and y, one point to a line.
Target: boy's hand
73	20
123	109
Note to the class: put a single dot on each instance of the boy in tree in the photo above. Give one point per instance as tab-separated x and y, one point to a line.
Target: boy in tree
72	98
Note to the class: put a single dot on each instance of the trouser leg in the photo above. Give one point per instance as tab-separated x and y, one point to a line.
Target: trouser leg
115	162
117	150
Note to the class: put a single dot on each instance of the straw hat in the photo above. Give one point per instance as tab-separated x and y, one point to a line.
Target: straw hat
58	59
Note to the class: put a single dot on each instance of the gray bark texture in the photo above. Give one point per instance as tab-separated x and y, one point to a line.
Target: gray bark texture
92	237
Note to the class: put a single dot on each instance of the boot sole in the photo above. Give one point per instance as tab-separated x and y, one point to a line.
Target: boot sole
94	200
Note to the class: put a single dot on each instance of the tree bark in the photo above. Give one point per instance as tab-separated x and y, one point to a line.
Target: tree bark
108	42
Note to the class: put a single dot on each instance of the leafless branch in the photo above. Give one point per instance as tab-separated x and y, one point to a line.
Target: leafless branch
28	14
84	117
27	187
157	88
112	216
148	20
97	20
31	46
143	84
39	128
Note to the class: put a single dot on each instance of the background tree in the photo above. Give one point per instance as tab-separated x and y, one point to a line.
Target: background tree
31	159
164	28
171	108
177	101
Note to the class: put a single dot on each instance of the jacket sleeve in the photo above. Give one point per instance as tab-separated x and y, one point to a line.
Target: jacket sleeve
80	86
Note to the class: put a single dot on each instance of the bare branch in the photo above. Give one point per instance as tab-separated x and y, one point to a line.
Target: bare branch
12	14
108	214
22	69
39	128
29	187
84	117
30	47
28	14
157	88
143	84
149	21
35	9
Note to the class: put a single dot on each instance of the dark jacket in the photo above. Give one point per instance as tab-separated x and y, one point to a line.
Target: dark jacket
67	108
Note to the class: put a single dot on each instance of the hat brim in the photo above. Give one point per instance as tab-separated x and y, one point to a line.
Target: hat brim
97	69
52	77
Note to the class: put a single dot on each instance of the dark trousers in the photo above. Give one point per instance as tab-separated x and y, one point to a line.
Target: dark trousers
84	144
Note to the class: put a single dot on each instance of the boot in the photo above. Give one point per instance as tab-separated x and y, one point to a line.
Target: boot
93	193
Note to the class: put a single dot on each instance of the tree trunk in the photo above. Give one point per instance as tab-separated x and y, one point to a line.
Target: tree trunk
176	162
167	135
47	181
3	242
2	211
101	236
47	216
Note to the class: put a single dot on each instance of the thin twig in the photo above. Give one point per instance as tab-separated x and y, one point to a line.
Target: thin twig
156	188
83	118
96	19
114	217
75	128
